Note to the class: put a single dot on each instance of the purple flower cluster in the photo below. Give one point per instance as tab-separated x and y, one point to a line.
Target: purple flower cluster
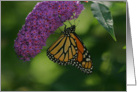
44	19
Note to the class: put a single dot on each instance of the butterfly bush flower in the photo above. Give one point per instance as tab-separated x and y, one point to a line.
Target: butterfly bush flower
42	21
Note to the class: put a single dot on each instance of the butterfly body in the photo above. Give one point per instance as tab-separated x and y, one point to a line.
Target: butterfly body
70	50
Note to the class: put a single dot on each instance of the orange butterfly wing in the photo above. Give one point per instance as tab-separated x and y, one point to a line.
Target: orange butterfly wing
85	63
70	50
63	51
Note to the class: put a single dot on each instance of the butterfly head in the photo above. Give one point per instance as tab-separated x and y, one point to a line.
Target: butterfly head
70	29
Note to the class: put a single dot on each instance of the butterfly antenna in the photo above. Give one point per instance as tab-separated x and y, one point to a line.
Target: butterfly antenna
74	21
78	23
69	22
74	18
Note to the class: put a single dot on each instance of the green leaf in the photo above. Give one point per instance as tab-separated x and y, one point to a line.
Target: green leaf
102	13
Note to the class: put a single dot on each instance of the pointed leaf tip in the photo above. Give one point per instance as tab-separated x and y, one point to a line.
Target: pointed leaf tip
102	13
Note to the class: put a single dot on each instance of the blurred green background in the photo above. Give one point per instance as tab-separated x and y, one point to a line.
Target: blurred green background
41	74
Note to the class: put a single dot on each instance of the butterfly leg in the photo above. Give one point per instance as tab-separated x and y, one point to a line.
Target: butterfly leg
65	27
69	22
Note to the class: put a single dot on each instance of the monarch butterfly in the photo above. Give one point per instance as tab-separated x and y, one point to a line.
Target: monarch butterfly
70	50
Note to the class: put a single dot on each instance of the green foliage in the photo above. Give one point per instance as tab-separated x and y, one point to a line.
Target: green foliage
103	15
